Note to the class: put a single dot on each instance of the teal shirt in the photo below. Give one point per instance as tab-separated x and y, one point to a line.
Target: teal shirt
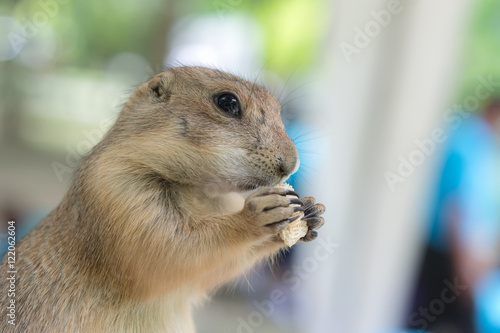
470	182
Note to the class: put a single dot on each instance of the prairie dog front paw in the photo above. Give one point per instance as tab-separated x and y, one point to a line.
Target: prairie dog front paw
270	210
308	221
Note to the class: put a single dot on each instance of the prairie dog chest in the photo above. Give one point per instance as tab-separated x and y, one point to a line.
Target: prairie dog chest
223	202
202	201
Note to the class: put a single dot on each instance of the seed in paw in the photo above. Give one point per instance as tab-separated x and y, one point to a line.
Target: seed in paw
298	228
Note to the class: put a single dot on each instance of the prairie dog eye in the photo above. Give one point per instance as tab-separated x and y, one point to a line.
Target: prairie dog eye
229	104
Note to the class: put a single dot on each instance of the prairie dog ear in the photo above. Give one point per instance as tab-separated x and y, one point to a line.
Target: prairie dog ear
159	86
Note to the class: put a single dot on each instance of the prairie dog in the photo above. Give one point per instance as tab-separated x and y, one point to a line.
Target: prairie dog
152	221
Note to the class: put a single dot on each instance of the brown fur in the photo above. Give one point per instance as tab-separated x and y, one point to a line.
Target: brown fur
147	228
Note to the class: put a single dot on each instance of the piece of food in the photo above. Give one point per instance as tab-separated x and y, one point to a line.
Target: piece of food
298	228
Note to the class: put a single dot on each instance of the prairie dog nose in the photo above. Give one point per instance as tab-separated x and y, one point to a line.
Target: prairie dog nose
289	163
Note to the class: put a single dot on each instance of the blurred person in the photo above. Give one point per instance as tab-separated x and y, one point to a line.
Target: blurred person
465	226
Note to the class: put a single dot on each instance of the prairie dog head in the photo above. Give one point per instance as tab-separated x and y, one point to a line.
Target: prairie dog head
195	125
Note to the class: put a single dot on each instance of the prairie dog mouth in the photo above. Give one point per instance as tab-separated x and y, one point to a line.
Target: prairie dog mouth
244	187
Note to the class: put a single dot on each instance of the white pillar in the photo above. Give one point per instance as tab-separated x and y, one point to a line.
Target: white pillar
391	93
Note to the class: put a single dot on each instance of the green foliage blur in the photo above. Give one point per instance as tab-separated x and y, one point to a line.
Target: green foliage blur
90	32
294	31
482	47
66	61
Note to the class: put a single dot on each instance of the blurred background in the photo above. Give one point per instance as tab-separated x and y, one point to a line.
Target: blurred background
393	105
